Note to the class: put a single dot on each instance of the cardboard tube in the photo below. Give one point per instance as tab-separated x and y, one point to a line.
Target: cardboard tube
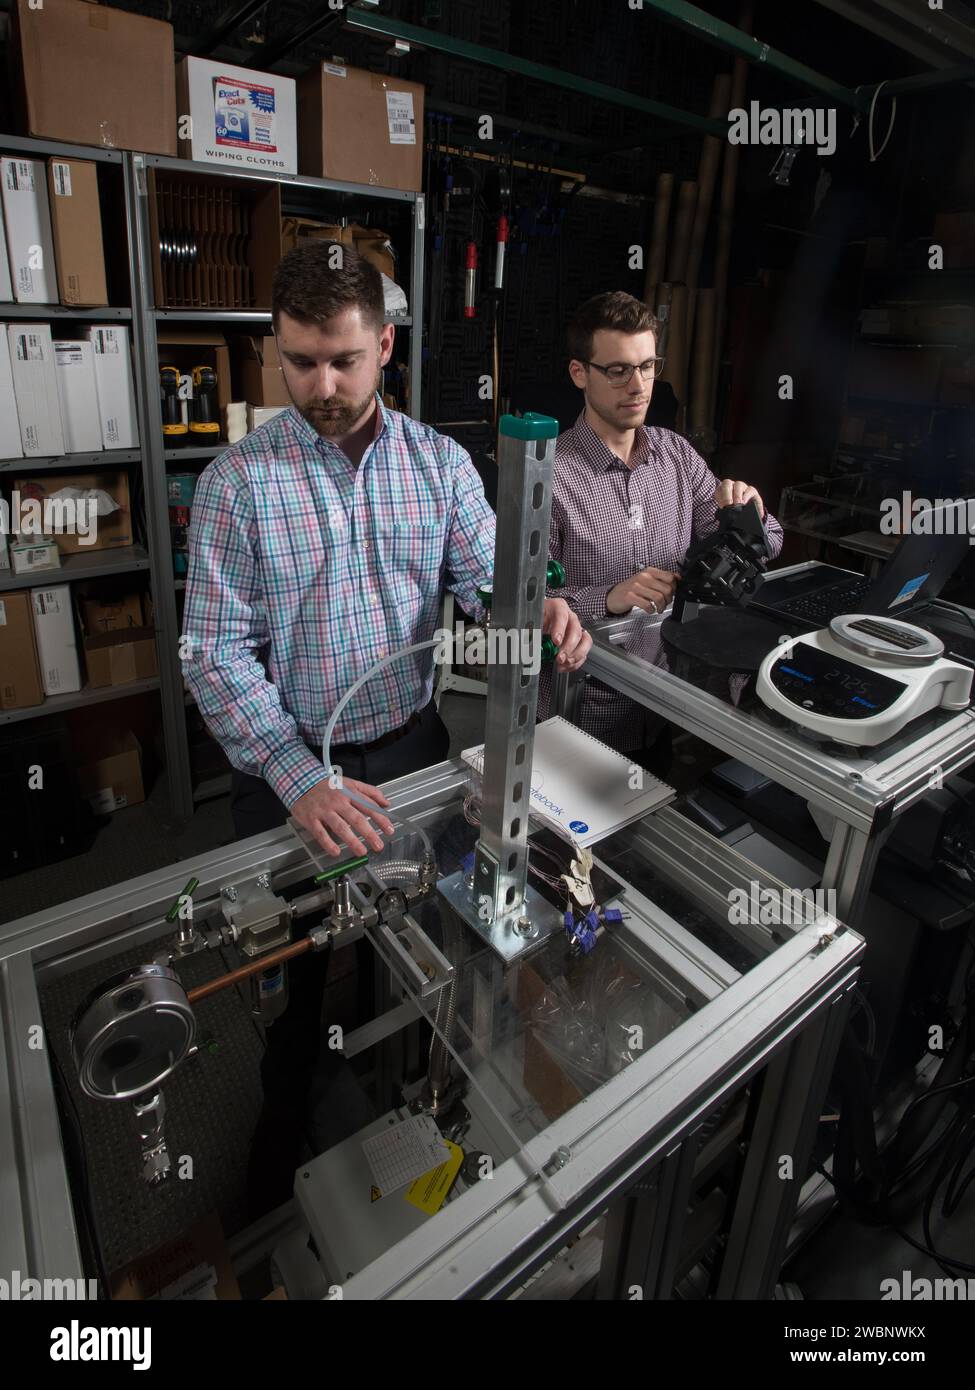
681	244
675	368
706	179
726	208
661	303
658	241
700	422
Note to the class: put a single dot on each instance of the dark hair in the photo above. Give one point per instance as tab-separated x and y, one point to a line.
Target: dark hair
312	283
616	310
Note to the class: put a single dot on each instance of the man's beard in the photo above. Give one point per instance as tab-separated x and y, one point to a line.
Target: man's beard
338	415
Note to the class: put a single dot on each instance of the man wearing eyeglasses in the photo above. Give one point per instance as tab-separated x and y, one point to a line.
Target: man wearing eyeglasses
627	501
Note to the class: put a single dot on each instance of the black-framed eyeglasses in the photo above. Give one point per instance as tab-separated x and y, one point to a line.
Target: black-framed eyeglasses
621	374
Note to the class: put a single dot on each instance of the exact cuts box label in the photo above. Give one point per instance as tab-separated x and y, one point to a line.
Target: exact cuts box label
244	114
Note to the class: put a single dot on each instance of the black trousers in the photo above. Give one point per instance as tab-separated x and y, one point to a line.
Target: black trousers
293	1046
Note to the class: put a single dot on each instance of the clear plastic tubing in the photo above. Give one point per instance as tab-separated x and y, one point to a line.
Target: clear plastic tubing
361	801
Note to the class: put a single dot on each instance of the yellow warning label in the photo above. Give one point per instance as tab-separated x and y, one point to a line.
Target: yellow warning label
429	1192
374	1194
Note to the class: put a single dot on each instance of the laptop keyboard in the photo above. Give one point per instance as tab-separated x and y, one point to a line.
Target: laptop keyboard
820	608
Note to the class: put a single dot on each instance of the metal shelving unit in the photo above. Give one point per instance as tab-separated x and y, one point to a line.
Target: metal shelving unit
12	310
145	318
93	565
100	695
112	458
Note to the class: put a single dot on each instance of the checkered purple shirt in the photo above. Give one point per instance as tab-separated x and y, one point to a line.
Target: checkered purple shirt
608	521
304	570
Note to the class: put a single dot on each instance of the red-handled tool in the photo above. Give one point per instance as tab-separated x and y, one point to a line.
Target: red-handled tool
469	281
502	246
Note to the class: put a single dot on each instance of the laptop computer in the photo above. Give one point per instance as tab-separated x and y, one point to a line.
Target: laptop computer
915	574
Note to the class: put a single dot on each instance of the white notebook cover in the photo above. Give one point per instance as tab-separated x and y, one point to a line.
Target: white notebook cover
580	787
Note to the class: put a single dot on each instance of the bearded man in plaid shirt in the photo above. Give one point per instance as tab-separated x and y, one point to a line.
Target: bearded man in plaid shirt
318	545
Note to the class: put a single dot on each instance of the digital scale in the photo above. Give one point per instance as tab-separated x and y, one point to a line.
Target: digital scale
860	680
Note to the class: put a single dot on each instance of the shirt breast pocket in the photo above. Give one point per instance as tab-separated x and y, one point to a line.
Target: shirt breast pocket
409	551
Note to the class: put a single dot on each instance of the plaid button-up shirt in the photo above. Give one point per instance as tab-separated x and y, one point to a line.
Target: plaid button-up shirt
610	520
304	570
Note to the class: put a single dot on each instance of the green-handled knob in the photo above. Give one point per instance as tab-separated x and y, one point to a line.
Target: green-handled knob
554	575
549	650
485	593
339	869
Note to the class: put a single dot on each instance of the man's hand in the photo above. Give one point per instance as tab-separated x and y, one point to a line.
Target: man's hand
565	630
650	589
730	493
327	809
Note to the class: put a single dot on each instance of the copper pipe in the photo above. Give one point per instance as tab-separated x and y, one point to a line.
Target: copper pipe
244	972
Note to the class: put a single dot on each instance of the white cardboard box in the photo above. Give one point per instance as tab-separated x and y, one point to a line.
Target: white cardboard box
114	388
30	242
80	418
239	116
57	649
6	288
36	388
258	415
10	442
42	554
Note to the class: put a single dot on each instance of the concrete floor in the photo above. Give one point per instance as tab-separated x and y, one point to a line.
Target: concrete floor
845	1259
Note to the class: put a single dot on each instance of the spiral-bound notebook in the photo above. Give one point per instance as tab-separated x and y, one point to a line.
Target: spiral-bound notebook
581	788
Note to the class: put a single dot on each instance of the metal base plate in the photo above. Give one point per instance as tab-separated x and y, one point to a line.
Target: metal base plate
502	935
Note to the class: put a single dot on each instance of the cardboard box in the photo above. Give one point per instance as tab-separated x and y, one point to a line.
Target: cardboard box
36	389
11	445
371	243
77	392
28	556
258	371
111	775
114	387
195	1265
4	553
6	288
95	75
258	415
189	348
121	613
119	641
107	532
239	116
76	222
20	676
894	374
232	231
360	127
180	488
30	243
57	649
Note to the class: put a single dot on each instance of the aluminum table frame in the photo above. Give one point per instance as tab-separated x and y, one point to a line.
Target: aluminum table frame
862	795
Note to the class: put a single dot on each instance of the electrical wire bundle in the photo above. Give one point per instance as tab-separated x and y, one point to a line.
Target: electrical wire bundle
930	1151
472	814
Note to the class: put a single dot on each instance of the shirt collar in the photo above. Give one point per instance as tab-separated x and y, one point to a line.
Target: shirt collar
599	454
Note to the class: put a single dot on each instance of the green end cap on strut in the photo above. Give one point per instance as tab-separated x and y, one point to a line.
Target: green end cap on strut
485	593
530	426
